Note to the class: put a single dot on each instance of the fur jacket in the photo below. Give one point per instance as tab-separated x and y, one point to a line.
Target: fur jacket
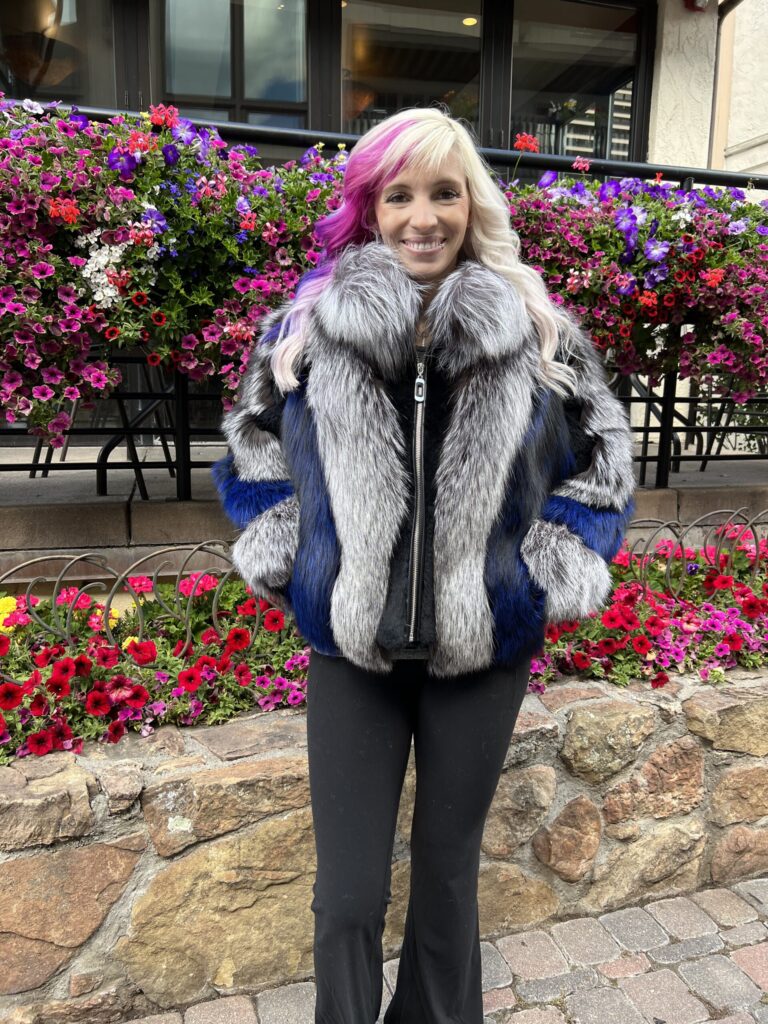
320	481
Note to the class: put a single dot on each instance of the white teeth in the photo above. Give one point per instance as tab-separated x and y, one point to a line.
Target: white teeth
424	245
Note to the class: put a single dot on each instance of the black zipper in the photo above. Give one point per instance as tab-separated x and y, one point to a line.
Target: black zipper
417	533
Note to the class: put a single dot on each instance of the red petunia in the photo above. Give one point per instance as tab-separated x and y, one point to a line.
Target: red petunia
274	620
115	731
63	670
43	657
3	726
154	358
209	636
39	706
139	298
659	680
59	731
40	743
5	644
182	651
143	652
612	618
243	675
238	638
752	607
107	657
641	644
97	703
32	681
83	665
158	317
190	679
248	607
581	660
139	697
58	687
111	333
11	696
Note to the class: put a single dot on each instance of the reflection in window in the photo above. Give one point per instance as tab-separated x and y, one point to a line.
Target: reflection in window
406	54
274	50
57	49
197	47
278	120
572	72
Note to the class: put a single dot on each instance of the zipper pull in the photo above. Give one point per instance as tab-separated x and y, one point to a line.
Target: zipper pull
420	386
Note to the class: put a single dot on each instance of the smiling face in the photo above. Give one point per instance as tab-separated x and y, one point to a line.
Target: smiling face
425	217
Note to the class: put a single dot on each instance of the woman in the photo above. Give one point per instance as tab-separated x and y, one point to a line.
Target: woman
427	466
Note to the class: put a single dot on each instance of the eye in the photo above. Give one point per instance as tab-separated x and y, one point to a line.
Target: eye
449	192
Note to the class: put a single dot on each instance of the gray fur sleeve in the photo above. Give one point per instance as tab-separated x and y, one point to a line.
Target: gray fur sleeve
581	525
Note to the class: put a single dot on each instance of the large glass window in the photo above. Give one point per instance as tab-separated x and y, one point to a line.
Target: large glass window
236	60
408	54
274	50
58	50
572	73
197	48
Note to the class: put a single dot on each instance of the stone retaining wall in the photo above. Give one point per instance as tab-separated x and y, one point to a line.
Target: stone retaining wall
162	871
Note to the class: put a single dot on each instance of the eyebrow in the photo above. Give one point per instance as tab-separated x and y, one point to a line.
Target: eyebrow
442	181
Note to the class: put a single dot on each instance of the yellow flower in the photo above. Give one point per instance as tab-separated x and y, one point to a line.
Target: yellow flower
128	640
7	605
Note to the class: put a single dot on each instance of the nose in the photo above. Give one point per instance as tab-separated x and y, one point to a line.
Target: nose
423	217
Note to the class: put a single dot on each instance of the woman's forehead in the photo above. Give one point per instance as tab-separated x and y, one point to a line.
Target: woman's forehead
448	172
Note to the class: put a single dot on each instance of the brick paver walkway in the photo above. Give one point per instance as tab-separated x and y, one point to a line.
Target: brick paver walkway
684	960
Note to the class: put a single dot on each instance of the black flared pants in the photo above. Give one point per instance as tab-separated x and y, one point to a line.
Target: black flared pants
359	729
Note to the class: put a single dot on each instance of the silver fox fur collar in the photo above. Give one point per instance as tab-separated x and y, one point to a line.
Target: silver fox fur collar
371	304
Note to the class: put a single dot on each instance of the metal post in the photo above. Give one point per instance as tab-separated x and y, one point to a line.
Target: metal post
665	429
181	437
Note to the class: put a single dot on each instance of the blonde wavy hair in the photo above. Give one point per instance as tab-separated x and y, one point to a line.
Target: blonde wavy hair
419	139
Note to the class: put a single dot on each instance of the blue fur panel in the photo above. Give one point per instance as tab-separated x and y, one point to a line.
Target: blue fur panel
517	604
243	500
318	556
603	530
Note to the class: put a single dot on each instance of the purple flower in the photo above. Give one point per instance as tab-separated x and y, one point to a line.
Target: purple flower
155	219
42	392
170	154
124	163
655	250
48	181
42	269
184	131
608	191
52	374
60	422
547	178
